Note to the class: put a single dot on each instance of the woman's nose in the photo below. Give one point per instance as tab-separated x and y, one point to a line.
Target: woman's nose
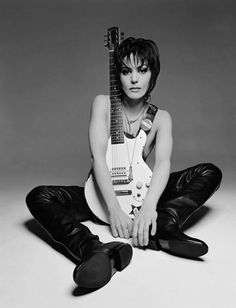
134	77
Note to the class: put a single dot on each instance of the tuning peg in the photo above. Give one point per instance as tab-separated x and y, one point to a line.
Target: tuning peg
121	36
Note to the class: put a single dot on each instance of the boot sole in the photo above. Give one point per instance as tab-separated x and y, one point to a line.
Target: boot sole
97	270
188	249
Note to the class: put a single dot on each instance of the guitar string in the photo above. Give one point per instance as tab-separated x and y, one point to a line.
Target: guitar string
116	157
129	122
127	149
116	154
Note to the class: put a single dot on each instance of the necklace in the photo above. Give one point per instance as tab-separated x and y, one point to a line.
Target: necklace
130	122
131	157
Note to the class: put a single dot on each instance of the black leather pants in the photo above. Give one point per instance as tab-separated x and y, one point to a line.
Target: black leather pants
61	209
189	189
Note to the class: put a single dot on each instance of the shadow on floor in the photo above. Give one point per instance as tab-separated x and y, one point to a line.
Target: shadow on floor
199	215
77	291
34	227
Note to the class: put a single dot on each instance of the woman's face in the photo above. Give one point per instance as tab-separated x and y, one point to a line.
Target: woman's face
135	77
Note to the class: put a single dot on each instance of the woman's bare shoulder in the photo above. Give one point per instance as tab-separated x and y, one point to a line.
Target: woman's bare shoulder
162	120
162	116
100	103
101	99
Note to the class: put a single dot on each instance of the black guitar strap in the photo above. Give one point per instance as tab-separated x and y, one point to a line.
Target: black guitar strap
151	112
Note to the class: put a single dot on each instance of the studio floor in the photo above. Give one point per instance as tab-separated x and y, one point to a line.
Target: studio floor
36	273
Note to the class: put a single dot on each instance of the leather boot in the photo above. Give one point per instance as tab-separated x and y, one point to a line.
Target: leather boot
186	192
95	260
171	239
99	261
52	207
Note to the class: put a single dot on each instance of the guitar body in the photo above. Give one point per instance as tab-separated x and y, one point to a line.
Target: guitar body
130	184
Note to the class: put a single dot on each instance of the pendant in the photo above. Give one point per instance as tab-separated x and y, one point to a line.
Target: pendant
129	127
130	173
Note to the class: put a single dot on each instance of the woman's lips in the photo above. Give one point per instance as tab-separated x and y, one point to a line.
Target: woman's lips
134	89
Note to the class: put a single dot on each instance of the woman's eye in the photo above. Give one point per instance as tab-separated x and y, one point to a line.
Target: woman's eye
124	72
143	70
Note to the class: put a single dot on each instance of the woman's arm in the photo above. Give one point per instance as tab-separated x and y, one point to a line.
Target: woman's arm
163	150
147	216
121	224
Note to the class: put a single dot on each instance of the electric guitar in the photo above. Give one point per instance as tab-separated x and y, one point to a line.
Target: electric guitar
130	175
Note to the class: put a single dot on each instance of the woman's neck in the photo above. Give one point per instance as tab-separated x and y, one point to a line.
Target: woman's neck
134	106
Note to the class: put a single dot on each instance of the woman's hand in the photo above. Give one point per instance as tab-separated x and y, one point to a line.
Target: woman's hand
145	218
121	224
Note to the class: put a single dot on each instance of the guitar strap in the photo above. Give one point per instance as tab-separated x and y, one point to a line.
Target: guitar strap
151	112
146	123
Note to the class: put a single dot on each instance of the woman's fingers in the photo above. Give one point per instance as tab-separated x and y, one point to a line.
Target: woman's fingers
125	231
130	228
141	234
135	233
121	225
146	234
113	230
116	229
154	227
120	231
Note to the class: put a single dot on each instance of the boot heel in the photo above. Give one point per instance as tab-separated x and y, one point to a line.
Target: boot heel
122	256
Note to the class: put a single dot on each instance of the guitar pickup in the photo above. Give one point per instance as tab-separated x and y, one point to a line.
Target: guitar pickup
123	192
121	182
118	171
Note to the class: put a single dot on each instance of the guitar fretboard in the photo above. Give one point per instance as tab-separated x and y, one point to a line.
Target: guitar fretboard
116	122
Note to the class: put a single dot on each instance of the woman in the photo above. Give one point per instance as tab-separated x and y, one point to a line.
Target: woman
171	198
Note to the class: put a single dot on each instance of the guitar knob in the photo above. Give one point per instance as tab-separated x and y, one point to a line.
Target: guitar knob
139	185
148	183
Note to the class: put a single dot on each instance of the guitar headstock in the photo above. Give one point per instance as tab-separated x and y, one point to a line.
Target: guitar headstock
113	38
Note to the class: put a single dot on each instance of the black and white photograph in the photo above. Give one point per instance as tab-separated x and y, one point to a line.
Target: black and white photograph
117	153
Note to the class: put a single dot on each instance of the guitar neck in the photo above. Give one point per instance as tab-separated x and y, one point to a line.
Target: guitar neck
116	116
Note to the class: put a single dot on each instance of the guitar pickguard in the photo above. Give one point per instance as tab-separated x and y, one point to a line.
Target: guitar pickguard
130	189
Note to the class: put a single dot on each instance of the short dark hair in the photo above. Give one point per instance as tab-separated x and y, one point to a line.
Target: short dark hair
145	50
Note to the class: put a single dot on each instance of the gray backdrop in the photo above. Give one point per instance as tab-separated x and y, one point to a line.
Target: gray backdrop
53	63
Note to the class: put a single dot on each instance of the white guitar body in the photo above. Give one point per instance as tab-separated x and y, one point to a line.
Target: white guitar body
130	186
